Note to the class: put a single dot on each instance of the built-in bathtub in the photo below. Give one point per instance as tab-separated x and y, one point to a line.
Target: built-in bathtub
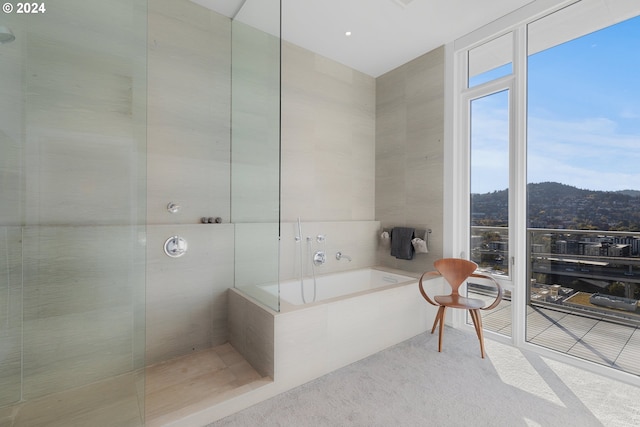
356	314
336	285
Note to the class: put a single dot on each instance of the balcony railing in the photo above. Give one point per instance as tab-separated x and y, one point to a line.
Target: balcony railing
589	270
582	291
490	249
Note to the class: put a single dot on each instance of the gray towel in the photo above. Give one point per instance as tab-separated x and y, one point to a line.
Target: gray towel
401	246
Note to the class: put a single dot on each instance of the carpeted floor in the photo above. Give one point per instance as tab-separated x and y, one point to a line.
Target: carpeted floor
411	384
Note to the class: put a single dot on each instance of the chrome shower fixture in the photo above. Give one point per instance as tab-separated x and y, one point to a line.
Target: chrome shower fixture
299	235
340	255
173	207
175	246
319	258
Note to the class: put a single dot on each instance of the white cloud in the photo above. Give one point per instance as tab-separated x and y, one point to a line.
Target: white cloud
630	113
589	153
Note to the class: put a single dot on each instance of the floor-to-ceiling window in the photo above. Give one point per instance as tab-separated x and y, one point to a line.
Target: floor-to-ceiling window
583	209
487	98
552	141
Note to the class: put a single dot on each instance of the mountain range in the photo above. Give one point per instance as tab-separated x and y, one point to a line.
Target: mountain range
556	205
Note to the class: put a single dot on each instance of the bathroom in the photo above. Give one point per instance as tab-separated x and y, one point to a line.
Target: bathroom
113	142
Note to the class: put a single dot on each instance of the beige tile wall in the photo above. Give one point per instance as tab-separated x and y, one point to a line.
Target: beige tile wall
186	301
328	139
409	153
188	116
188	151
84	114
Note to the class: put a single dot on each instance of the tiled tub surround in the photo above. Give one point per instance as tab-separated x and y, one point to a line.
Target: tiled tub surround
332	286
303	342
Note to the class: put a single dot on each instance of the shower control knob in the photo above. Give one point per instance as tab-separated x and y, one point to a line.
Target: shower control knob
173	207
175	246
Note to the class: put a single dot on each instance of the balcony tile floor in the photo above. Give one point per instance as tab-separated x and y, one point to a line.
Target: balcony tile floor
599	341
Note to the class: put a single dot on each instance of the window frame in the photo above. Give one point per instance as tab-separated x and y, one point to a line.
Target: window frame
457	165
466	96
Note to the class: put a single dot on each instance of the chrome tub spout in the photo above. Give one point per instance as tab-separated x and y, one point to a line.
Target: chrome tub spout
340	255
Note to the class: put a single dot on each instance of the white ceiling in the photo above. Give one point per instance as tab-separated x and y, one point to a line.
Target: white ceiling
385	33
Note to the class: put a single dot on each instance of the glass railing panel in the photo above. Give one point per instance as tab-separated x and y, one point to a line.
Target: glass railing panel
490	249
582	294
497	319
593	272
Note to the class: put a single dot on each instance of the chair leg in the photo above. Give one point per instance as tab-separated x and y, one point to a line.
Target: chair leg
441	313
437	319
477	323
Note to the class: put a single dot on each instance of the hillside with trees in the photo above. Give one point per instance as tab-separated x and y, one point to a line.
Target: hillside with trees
555	205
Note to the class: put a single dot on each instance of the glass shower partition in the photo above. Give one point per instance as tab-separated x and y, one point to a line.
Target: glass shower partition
255	148
72	214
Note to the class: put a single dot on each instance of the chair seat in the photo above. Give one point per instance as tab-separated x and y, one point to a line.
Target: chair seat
456	271
457	301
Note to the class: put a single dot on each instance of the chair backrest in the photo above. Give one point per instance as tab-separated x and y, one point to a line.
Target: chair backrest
455	271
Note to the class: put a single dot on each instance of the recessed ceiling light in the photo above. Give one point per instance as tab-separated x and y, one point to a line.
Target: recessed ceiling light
348	33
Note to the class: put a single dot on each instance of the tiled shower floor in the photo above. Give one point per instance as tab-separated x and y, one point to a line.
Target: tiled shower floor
171	390
196	381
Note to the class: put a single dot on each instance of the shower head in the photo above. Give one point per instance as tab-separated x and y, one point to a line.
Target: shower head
6	35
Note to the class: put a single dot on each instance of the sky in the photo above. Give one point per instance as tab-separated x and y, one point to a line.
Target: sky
583	116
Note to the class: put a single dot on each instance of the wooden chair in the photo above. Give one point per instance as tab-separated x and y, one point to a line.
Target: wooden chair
456	271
